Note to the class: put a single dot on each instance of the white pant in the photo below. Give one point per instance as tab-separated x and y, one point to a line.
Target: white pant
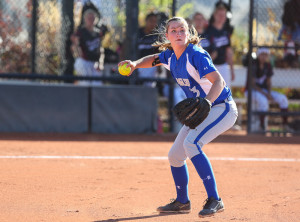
221	118
224	70
260	101
86	68
148	73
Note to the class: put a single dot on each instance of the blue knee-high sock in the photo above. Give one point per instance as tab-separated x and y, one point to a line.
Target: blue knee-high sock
204	169
181	179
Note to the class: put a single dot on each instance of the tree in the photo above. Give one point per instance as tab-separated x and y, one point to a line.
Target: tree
14	43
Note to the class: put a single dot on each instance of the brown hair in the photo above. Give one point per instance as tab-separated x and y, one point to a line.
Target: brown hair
197	13
163	43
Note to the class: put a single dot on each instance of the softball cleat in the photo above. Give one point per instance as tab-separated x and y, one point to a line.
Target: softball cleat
211	207
175	207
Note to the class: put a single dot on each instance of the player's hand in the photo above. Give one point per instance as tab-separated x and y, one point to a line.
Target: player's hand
97	66
130	64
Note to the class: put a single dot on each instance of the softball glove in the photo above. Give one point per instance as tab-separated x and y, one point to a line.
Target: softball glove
192	111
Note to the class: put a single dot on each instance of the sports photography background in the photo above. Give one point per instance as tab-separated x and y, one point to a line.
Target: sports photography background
99	153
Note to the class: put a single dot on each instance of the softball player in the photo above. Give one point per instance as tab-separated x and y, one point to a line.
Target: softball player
193	70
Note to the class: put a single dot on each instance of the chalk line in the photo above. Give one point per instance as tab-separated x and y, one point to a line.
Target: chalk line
149	158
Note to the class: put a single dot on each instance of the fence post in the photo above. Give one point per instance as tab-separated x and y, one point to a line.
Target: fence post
132	11
174	8
33	34
67	62
171	84
249	76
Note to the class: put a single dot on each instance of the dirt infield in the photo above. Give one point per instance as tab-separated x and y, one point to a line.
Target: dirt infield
97	178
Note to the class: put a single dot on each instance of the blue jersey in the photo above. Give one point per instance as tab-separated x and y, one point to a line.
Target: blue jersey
189	71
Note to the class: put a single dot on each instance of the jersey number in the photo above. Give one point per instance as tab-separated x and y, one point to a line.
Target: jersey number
194	90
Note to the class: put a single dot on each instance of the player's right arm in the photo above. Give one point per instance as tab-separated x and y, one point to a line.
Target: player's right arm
145	62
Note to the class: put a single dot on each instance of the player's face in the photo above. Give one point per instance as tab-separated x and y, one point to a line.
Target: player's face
220	16
89	19
151	23
199	21
263	57
177	33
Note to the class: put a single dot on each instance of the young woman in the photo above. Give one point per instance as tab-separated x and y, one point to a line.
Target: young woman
200	23
193	70
87	48
218	42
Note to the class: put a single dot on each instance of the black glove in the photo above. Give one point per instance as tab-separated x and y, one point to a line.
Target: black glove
192	111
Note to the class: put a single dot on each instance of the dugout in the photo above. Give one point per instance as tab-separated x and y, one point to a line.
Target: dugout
65	108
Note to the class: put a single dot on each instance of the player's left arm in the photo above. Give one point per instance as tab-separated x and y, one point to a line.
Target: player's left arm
218	85
100	63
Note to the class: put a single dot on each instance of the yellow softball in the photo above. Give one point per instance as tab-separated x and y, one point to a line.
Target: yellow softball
123	70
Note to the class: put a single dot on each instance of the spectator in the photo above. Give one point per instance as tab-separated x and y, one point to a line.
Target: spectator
290	58
291	19
146	37
200	23
290	32
261	89
189	21
217	42
86	45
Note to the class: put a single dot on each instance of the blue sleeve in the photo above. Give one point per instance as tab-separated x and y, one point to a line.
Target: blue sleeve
203	63
164	56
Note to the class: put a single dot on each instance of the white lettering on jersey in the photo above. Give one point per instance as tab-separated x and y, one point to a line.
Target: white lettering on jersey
144	46
183	82
195	90
261	79
94	44
205	43
221	41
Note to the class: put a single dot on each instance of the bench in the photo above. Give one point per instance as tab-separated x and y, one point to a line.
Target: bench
282	78
241	102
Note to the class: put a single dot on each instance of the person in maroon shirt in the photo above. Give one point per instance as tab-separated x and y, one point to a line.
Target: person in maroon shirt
262	92
217	42
87	47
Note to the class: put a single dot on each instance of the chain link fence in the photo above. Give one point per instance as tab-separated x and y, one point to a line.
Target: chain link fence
40	30
35	37
276	27
15	44
276	30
